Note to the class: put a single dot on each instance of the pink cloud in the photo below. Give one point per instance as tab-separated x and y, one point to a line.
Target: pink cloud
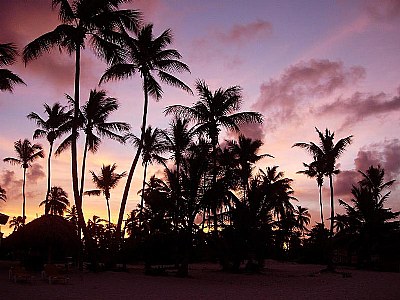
383	10
240	33
35	173
281	98
360	106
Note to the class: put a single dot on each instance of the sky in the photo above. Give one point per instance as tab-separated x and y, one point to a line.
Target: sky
302	64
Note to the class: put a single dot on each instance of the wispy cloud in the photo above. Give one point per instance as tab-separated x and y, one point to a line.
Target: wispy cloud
360	106
281	98
241	33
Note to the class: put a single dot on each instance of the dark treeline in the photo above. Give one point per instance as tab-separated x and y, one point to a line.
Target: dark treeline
212	203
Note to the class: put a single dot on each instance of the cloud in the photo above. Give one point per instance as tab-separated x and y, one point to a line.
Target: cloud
383	10
241	33
360	106
253	131
35	173
12	185
385	154
281	98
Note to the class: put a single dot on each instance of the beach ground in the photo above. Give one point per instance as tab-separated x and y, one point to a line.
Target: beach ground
280	280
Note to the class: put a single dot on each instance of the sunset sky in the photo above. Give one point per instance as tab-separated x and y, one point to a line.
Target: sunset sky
303	64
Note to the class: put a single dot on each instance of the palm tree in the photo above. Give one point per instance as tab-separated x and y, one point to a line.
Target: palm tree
315	169
56	124
8	53
149	57
72	216
95	115
327	153
99	23
213	111
245	155
26	154
57	201
153	147
16	222
106	181
3	194
303	218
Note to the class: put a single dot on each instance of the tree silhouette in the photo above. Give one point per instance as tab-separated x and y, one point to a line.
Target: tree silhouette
26	154
16	223
302	217
153	146
56	202
3	194
58	122
215	110
99	23
327	153
315	169
149	57
106	181
8	54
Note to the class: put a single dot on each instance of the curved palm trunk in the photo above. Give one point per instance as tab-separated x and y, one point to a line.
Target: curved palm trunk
332	205
83	167
46	208
320	205
109	211
134	162
23	197
142	196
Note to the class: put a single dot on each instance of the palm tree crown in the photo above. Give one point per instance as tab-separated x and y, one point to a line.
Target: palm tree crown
57	201
8	53
3	194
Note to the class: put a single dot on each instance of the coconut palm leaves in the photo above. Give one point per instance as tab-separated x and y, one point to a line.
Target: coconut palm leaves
106	181
56	202
26	154
149	57
327	153
58	122
8	54
3	194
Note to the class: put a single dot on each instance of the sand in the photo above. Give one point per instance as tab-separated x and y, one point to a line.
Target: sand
278	281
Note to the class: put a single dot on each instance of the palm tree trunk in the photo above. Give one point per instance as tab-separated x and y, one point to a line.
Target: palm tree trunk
142	196
109	212
23	197
214	181
320	205
46	209
332	206
83	167
134	162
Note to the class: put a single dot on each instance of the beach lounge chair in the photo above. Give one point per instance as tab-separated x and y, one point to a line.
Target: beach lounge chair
53	274
18	273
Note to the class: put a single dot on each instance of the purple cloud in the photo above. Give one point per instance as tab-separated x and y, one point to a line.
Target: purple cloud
240	33
281	98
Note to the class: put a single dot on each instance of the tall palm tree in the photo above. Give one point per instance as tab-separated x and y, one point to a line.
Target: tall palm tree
56	124
3	194
57	201
153	147
315	169
302	217
327	152
215	110
106	181
98	23
149	57
26	154
8	53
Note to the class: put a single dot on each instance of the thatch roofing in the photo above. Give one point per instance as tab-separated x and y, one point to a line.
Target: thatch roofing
3	219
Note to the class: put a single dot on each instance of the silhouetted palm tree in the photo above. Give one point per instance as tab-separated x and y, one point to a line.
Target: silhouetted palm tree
315	169
3	194
16	223
106	181
215	110
153	146
302	217
327	153
149	57
98	23
72	216
58	122
8	54
26	154
57	201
